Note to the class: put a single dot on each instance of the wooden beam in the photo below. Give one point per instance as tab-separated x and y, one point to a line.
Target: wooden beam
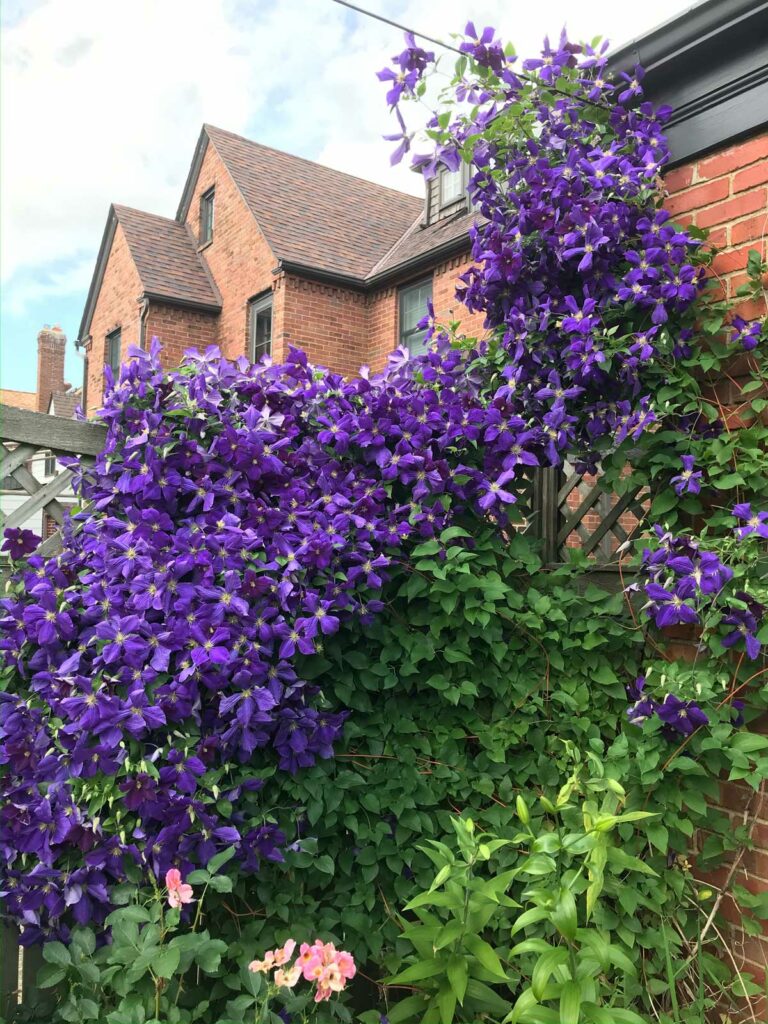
11	460
60	435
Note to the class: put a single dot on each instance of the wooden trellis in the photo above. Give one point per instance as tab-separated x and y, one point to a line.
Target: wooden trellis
25	436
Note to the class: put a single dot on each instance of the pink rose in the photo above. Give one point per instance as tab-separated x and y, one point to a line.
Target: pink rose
178	892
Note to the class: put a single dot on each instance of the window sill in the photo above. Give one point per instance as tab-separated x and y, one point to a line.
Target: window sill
205	245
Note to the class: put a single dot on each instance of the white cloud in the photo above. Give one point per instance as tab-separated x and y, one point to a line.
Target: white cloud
102	100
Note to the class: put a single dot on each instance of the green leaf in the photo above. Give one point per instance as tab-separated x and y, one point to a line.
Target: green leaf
220	859
564	915
324	864
619	959
446	1004
529	917
545	967
208	955
749	742
485	996
199	877
57	953
592	1014
166	962
406	1010
570	1002
485	955
88	1009
133	915
458	974
222	883
50	975
418	972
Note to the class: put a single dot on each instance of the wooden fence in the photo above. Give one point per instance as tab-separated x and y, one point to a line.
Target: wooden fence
564	509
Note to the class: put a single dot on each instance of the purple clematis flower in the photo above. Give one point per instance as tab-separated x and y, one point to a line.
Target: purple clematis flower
689	479
681	716
755	522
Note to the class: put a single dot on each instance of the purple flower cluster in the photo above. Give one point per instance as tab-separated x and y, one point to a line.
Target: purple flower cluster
239	515
679	717
680	578
683	582
578	272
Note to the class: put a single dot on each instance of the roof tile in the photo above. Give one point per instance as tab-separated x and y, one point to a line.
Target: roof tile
313	215
166	258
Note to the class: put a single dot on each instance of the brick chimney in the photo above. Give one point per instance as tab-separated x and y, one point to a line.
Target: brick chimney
51	345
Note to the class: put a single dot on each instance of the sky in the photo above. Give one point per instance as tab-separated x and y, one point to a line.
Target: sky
102	101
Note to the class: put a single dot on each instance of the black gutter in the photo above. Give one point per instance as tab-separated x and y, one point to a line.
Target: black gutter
416	264
709	64
172	300
409	268
322	276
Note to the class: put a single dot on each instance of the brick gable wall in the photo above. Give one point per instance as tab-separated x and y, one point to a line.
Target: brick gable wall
239	257
117	306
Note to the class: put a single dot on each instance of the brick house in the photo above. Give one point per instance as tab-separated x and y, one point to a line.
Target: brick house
267	250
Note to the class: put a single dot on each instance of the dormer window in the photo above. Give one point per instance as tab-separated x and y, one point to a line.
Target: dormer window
447	194
206	216
451	186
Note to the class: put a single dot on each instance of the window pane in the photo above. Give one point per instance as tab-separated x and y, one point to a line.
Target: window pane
112	354
206	216
451	186
416	343
260	329
413	307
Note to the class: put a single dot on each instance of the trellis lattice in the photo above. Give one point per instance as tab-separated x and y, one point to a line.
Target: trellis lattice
593	518
26	435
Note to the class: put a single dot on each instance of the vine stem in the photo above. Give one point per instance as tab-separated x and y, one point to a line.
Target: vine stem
731	871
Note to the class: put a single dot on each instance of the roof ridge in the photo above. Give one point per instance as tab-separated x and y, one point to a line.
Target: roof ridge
144	213
314	163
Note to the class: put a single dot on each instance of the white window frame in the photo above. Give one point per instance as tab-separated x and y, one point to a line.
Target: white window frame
458	186
412	338
256	306
207	213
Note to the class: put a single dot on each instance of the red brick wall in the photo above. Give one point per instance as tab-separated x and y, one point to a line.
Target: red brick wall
384	310
329	323
239	258
727	192
117	306
179	329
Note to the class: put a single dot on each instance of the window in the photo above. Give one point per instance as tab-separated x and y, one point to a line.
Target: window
413	307
206	216
451	186
50	464
112	351
260	328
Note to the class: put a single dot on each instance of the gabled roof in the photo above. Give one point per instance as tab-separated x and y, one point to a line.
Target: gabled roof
312	216
64	403
425	242
165	255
